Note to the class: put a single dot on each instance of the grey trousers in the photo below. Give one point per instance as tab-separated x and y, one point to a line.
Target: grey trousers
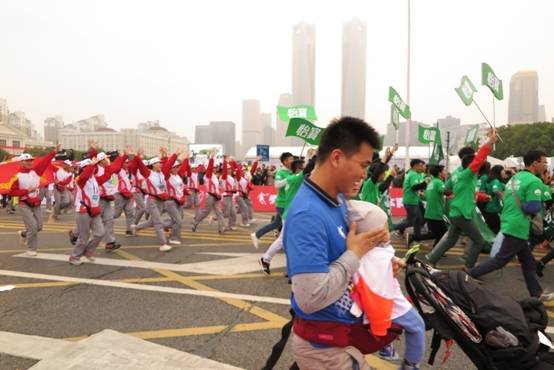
123	204
459	225
155	208
87	243
212	204
140	207
107	219
245	208
229	211
175	221
62	200
308	357
45	193
32	219
193	201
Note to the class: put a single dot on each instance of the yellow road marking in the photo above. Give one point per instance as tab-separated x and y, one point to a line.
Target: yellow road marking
380	364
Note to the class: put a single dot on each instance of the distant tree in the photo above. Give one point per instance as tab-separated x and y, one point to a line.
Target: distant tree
4	155
518	139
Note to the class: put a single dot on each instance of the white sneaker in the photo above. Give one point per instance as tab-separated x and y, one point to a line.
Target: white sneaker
90	258
245	225
232	228
546	297
165	248
75	261
31	253
255	240
134	229
174	242
252	220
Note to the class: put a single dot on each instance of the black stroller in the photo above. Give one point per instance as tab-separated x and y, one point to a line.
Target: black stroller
496	332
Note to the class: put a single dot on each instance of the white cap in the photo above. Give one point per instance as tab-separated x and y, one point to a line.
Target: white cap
176	164
67	162
101	156
367	216
154	161
25	157
85	162
145	162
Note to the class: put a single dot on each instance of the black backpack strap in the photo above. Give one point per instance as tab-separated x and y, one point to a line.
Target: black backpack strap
435	346
278	348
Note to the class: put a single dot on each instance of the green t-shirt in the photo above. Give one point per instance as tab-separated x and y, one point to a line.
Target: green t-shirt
410	197
282	174
369	192
294	181
482	183
464	183
434	195
528	187
494	205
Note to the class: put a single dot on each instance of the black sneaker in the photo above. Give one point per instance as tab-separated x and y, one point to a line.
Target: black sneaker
265	266
112	246
72	238
129	233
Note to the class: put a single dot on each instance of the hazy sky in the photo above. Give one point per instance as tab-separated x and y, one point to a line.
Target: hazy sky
187	63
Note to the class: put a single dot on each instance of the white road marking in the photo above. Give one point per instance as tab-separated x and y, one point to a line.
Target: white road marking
241	263
105	350
145	287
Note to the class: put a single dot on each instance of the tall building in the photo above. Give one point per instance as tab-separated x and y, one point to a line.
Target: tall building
223	132
524	97
542	113
52	127
251	128
266	128
19	121
4	111
353	68
203	134
303	63
285	100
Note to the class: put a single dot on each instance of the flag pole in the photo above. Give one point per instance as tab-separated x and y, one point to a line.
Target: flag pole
486	119
409	122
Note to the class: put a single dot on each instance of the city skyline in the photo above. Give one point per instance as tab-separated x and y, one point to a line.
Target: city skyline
136	73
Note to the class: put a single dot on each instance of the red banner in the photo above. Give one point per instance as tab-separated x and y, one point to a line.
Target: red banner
262	197
396	205
8	170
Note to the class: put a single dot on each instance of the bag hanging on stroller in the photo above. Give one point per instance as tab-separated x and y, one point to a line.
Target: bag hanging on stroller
458	307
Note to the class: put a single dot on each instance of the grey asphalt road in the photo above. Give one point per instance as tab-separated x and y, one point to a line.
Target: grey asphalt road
231	331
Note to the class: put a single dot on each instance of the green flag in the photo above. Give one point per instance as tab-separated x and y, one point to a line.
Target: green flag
305	130
427	135
489	79
472	135
394	117
399	104
466	90
296	111
437	154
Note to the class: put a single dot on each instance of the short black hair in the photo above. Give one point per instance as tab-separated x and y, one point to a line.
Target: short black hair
467	159
436	169
415	162
285	156
485	168
533	156
466	150
346	134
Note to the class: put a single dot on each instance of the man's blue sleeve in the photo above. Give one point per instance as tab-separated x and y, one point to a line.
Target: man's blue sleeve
306	243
